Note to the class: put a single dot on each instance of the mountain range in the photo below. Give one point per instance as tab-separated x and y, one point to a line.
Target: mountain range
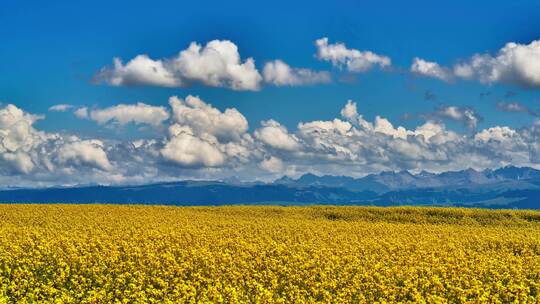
507	187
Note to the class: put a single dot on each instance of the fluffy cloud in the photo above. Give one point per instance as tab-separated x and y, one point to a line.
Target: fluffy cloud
20	162
515	63
141	70
18	138
84	152
383	125
279	73
27	151
186	149
203	136
349	111
122	114
500	134
354	60
430	69
217	64
276	136
202	118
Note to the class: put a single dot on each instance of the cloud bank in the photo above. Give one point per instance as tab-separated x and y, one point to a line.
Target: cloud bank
200	141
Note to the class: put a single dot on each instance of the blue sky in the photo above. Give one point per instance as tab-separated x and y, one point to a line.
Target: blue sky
52	50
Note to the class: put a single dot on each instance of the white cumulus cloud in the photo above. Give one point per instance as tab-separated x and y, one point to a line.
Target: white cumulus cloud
84	152
186	149
141	70
25	150
279	73
122	114
217	64
515	63
430	69
354	60
276	136
204	118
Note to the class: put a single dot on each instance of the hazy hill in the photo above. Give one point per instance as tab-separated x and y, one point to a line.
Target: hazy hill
508	187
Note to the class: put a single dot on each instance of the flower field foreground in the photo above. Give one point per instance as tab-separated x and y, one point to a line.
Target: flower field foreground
141	254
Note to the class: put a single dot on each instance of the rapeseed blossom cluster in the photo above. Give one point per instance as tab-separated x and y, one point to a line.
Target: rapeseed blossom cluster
266	254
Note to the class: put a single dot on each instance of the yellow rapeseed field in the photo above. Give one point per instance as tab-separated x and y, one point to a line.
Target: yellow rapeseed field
141	254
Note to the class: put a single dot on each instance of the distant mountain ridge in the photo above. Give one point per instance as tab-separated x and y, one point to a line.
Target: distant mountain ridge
508	187
392	181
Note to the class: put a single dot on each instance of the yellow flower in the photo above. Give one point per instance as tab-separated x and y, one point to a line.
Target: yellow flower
267	254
